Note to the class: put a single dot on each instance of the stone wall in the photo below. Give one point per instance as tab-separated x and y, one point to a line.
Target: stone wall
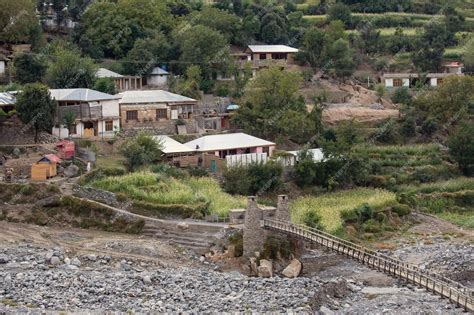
102	196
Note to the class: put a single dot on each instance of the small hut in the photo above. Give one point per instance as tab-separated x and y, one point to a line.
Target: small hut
45	168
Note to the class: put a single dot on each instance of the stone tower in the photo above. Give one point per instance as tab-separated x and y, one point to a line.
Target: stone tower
254	234
282	210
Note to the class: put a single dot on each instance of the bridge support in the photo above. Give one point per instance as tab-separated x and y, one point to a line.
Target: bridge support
282	210
254	235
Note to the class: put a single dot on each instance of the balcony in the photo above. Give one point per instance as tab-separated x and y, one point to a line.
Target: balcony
81	112
263	63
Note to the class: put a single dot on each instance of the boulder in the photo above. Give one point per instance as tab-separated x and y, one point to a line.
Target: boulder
253	266
51	201
55	261
265	270
76	262
293	269
71	171
183	226
4	259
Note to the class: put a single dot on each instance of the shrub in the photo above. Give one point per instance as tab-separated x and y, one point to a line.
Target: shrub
401	209
365	212
461	147
372	226
428	127
401	96
274	245
408	127
141	150
253	178
196	211
381	217
198	172
313	220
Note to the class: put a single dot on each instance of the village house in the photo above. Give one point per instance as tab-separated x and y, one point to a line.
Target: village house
122	82
218	151
177	153
408	80
3	64
7	101
157	77
96	113
153	108
263	56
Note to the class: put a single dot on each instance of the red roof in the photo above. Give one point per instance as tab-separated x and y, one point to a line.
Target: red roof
453	64
53	158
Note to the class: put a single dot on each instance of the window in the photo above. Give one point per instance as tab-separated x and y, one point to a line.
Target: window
132	115
109	125
397	82
162	113
263	56
440	81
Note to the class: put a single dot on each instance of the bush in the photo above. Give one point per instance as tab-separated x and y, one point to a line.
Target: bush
313	220
401	96
274	245
198	172
372	226
365	212
141	150
408	127
381	217
428	127
461	147
401	209
253	178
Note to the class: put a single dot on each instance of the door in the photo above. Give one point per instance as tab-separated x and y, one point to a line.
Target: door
213	166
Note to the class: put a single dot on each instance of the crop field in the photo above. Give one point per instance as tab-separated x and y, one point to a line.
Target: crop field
158	189
452	200
330	206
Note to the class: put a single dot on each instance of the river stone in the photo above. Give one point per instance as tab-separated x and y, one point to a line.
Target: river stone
293	269
265	269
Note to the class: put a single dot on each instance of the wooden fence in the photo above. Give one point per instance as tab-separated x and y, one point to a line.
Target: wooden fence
436	283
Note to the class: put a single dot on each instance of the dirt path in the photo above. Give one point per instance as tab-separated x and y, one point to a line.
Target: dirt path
430	225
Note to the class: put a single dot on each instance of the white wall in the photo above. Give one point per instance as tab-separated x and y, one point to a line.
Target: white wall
406	82
61	133
433	81
108	134
157	80
388	82
2	67
110	108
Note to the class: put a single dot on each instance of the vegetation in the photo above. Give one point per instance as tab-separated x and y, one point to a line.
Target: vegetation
141	150
193	196
461	147
253	179
330	207
35	108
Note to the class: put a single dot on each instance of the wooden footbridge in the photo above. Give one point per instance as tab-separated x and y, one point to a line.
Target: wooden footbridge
436	283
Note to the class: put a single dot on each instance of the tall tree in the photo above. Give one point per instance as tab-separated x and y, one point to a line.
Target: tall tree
29	68
429	53
342	59
35	107
340	11
315	42
461	147
18	21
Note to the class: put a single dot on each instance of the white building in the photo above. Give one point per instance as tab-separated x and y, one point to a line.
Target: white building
97	114
157	77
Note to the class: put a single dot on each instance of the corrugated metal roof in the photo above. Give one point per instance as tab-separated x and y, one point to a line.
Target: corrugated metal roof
172	146
83	95
272	49
152	96
106	73
158	70
51	157
227	141
7	99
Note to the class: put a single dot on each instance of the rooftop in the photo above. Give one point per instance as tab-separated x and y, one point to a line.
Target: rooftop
158	70
272	49
106	73
227	141
83	95
7	98
152	96
172	146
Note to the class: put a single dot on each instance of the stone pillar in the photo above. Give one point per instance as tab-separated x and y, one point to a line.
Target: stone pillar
254	234
282	210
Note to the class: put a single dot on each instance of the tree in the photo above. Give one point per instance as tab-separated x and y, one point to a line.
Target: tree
205	47
18	21
35	107
69	118
370	41
224	22
190	86
68	69
141	150
461	147
429	53
401	96
29	68
315	42
448	102
454	23
468	56
399	42
342	59
340	11
335	30
146	54
105	85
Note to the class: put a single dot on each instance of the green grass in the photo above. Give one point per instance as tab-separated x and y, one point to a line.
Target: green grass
330	206
453	185
159	189
461	219
110	161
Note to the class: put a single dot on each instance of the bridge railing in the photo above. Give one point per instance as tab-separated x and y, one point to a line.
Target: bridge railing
446	287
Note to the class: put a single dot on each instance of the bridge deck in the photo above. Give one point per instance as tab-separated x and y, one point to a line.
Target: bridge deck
436	283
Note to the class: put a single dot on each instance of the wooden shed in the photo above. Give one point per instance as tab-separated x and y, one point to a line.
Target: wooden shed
45	168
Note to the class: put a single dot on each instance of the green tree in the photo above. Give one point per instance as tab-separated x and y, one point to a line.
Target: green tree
468	56
141	150
335	30
105	85
430	48
270	102
190	86
219	20
342	58
146	54
205	47
370	41
69	118
18	21
461	147
35	108
401	96
68	69
340	11
315	42
29	68
454	23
